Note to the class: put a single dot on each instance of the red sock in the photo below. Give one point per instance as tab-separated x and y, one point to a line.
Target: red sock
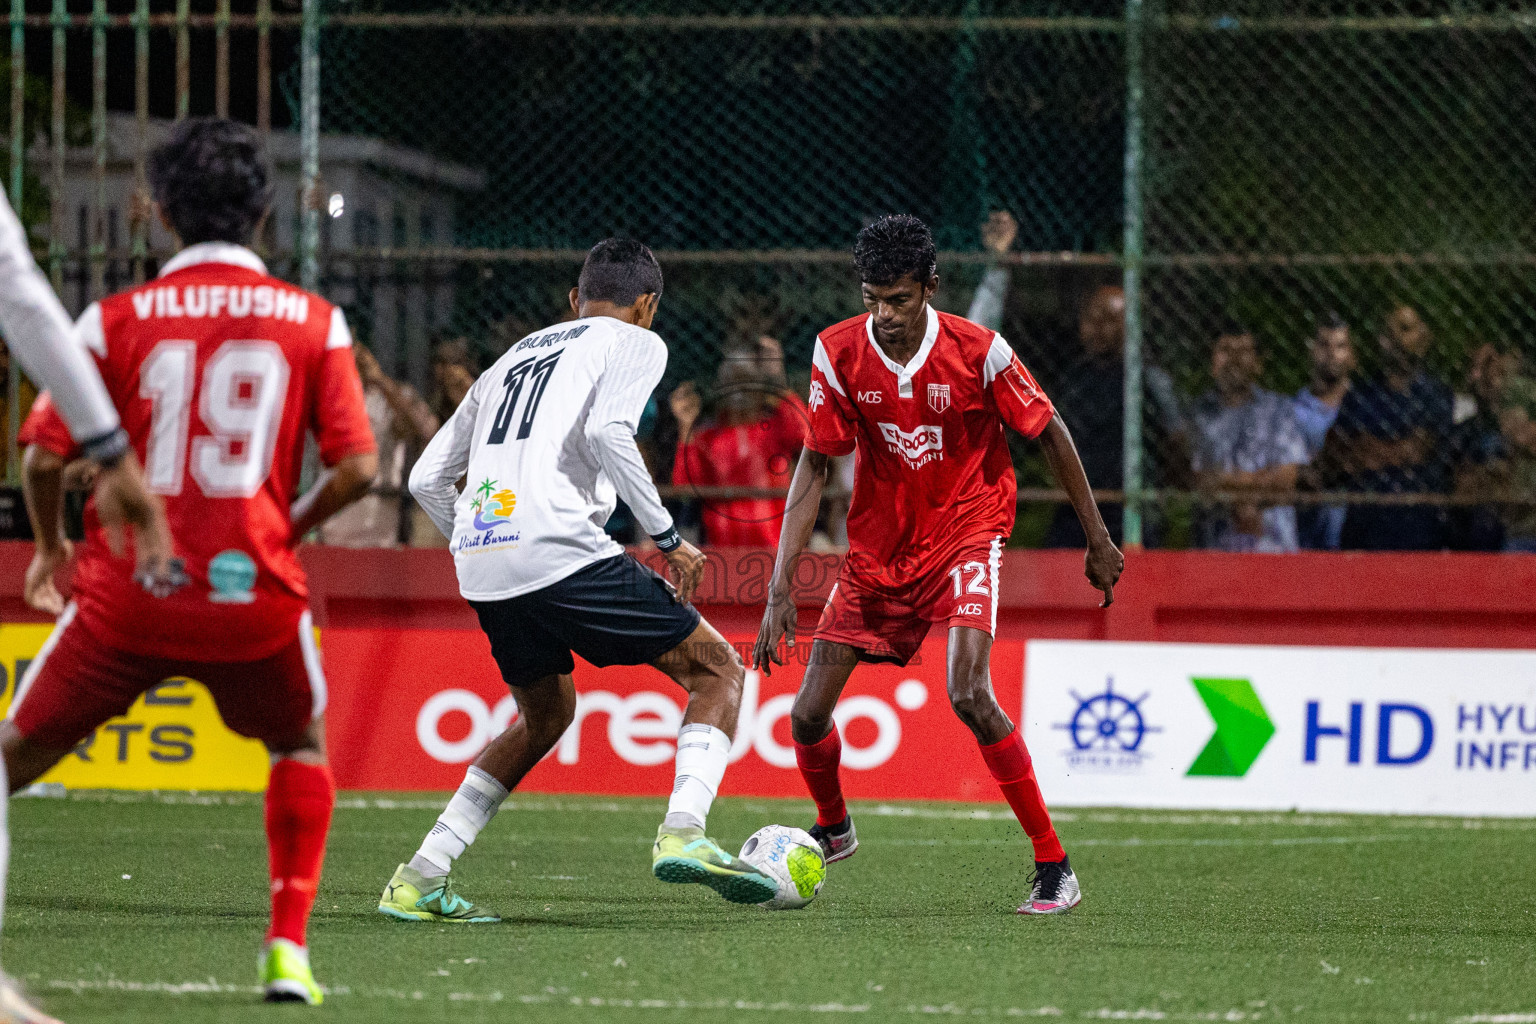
818	767
1010	765
299	801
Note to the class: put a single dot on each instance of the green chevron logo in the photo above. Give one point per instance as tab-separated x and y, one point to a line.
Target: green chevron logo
1242	727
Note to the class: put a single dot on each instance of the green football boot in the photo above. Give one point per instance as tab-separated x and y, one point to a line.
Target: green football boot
688	855
410	896
286	976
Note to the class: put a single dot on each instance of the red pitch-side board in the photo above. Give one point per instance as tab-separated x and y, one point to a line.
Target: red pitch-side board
414	690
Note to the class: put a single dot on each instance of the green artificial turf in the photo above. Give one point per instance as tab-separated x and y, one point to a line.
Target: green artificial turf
1187	916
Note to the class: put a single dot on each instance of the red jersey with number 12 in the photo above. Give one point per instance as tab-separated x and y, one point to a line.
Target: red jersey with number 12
933	471
218	371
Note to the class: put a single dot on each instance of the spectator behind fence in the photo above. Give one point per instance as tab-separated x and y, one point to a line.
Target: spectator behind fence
401	424
758	429
1091	397
1479	455
1246	439
997	236
1332	355
1391	438
1517	424
27	394
454	370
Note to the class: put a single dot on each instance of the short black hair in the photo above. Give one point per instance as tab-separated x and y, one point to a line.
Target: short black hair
1232	327
1332	321
211	180
893	247
619	270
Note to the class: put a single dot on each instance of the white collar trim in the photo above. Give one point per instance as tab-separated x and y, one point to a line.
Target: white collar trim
214	252
904	374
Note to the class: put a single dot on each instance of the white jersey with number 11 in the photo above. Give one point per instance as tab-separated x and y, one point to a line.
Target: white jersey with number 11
542	439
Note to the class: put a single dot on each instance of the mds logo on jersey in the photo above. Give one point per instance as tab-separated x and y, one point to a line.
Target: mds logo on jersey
918	447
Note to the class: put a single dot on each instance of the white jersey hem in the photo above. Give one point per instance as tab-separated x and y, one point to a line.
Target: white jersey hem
548	581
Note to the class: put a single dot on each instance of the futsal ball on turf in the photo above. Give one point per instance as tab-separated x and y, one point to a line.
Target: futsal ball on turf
790	857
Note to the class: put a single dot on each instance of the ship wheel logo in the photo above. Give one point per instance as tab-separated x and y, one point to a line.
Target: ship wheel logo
1108	722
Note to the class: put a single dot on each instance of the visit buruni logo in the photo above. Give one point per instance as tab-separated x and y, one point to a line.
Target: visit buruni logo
492	507
1243	727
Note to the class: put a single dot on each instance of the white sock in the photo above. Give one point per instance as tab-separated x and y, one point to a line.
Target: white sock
471	809
702	751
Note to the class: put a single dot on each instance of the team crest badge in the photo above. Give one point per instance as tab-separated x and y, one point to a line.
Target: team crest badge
938	397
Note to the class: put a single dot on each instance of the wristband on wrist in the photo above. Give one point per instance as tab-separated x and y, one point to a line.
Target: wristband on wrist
108	449
669	540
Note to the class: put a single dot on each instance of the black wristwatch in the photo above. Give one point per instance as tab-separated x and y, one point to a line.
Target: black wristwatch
108	449
669	540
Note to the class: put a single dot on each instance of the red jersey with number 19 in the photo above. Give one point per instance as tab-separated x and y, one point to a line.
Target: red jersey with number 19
218	372
933	474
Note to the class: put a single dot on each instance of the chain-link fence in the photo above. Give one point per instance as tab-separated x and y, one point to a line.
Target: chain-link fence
1260	176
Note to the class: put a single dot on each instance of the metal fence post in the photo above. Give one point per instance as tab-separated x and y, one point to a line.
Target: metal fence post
309	148
1134	27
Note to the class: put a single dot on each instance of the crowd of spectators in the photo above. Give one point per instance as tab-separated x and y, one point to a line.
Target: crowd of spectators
1425	465
1428	465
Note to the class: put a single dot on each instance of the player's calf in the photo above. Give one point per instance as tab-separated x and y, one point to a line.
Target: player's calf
25	761
421	889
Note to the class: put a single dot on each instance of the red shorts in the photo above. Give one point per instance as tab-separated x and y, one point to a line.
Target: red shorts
886	626
76	683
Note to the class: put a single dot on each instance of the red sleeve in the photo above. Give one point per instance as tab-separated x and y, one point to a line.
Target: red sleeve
1020	402
832	419
338	418
45	428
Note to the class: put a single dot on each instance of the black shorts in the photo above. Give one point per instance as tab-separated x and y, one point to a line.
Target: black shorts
613	612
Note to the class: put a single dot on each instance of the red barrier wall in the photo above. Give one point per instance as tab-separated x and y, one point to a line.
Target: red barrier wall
402	649
1397	600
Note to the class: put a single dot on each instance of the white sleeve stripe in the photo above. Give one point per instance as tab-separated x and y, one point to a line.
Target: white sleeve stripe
999	358
637	359
339	336
89	331
820	360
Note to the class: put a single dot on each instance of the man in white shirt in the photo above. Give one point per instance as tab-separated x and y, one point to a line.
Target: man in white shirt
546	441
40	335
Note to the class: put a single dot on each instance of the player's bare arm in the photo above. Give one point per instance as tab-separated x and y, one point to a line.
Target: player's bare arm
686	563
124	504
799	520
338	487
42	483
1104	561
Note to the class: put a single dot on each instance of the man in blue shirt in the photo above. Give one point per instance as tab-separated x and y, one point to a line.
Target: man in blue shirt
1391	438
1332	354
1246	441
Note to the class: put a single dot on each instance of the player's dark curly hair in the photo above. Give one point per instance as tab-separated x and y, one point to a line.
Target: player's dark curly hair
211	180
619	270
894	247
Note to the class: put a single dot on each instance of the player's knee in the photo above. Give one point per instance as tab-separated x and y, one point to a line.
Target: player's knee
719	671
808	725
974	705
548	722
